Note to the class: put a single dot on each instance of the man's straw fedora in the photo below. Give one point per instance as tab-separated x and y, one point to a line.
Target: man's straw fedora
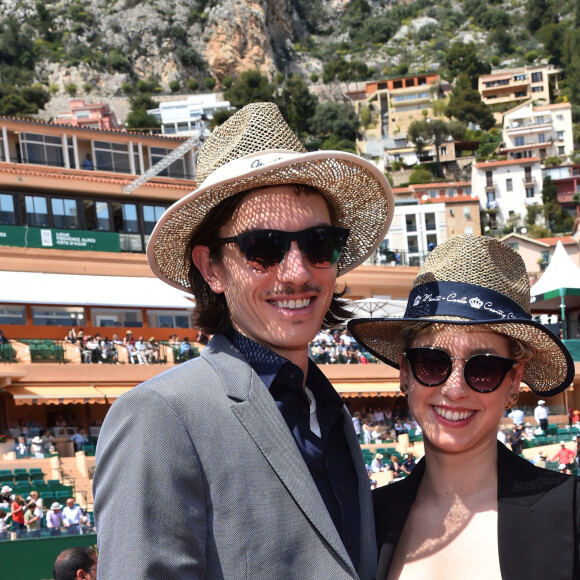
473	280
256	148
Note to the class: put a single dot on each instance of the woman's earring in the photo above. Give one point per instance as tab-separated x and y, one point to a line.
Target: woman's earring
508	405
404	389
514	396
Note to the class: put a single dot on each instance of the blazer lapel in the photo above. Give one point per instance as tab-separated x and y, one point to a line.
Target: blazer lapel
535	520
257	412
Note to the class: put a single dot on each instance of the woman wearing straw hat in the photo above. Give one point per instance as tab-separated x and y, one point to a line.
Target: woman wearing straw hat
465	343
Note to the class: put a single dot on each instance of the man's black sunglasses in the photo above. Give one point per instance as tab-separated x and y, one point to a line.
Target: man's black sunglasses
265	249
482	372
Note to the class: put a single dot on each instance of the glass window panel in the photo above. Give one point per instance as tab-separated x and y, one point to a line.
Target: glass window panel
151	215
113	317
42	149
57	316
36	211
112	156
64	213
12	314
168	319
7	211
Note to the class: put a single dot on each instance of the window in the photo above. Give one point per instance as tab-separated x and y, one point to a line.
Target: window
519	141
542	138
411	223
41	149
7	211
2	148
97	215
36	211
151	215
537	89
520	77
111	317
545	255
509	184
540	120
177	169
430	221
11	314
64	213
444	150
466	213
529	192
514	245
560	117
452	193
468	230
57	316
112	157
560	135
536	77
519	94
561	150
125	217
169	319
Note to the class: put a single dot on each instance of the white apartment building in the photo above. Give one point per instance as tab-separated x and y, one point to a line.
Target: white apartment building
509	186
188	116
414	227
543	131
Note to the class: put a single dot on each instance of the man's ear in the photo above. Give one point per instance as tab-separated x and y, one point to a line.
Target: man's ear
203	262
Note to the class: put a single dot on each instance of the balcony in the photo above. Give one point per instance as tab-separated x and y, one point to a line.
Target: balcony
490	185
529	181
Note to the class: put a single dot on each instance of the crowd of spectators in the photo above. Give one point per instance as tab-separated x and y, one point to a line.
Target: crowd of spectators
20	518
378	424
337	347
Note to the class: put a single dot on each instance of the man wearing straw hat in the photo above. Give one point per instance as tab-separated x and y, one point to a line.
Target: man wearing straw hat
249	442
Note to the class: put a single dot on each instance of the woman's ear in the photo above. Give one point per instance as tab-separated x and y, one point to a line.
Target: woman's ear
516	374
206	266
403	369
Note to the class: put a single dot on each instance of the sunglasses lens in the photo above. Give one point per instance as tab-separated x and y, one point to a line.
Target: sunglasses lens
322	246
264	250
484	373
430	366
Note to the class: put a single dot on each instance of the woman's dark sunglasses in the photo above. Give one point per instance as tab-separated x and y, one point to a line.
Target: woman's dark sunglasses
482	372
265	249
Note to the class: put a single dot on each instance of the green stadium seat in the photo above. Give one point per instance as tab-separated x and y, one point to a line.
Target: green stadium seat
53	483
20	475
6	476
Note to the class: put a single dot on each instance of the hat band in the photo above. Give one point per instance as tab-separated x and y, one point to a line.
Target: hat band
469	301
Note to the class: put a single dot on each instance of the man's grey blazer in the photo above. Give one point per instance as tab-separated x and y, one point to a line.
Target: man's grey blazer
198	476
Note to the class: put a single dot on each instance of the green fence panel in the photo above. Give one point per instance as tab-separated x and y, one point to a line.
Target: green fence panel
33	559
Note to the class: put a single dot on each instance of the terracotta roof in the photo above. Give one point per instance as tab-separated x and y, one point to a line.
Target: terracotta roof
93	130
443	184
507	162
554	241
94	176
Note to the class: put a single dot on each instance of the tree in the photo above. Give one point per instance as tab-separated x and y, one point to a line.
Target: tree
436	132
297	104
335	119
557	220
464	58
251	87
420	175
465	105
139	118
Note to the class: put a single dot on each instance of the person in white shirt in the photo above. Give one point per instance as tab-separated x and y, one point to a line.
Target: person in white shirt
541	415
71	517
377	464
517	416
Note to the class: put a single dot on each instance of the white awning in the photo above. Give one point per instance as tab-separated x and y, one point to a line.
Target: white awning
73	289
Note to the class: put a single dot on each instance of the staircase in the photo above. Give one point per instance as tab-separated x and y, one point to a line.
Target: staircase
82	485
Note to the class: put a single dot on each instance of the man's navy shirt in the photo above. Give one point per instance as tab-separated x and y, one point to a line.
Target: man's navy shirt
328	457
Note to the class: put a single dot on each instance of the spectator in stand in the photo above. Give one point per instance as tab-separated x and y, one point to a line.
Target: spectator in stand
367	432
395	467
541	416
377	463
173	340
88	163
379	416
17	512
81	336
76	564
529	432
356	423
4	525
54	519
129	339
3	339
540	461
35	497
502	434
185	349
515	438
21	449
48	442
71	336
141	349
5	497
409	463
517	416
153	350
37	448
71	517
79	439
576	418
565	456
32	521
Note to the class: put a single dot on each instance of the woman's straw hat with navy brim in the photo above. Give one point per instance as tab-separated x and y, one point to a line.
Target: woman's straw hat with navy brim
256	148
473	280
